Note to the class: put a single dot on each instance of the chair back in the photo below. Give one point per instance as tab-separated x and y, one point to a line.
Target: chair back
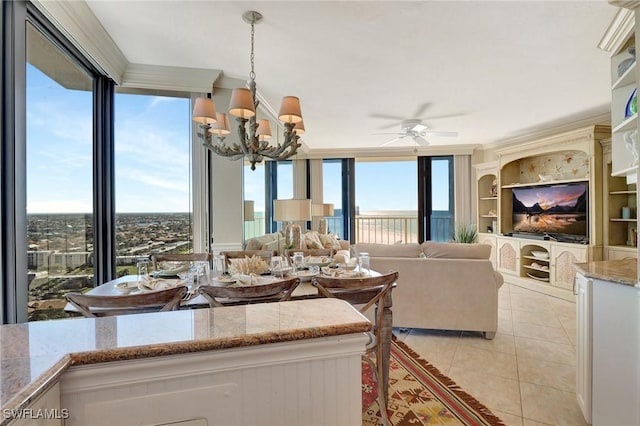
179	257
162	300
279	291
241	254
368	291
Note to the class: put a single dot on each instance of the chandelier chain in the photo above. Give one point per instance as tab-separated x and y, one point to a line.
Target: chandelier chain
252	74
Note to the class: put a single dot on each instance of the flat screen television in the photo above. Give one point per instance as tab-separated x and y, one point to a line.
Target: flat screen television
560	210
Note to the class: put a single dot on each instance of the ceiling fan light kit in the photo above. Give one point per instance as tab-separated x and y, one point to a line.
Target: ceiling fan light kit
254	134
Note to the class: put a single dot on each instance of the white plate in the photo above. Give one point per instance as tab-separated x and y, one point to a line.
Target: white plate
224	280
540	254
545	279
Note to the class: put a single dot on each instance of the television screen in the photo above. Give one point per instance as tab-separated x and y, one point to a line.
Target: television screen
557	209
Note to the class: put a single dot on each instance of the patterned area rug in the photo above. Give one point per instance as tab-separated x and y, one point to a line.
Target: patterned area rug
420	395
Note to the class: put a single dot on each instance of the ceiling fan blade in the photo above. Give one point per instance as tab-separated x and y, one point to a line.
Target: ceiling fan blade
392	133
393	140
436	133
421	109
421	141
440	117
386	117
388	126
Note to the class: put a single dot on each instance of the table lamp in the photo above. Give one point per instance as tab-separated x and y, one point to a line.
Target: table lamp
291	211
320	211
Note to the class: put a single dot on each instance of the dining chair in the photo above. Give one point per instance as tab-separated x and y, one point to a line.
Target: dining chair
278	291
241	254
366	293
179	257
153	301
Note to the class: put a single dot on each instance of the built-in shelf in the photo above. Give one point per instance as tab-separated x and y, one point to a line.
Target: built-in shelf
537	258
535	269
489	215
622	192
488	198
628	77
625	172
629	123
547	183
622	220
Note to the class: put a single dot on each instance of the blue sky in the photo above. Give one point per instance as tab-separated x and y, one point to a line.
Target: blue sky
152	156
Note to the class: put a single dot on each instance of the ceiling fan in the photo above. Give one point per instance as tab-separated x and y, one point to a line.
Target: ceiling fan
415	129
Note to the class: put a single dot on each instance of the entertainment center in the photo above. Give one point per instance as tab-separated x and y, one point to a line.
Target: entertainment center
546	211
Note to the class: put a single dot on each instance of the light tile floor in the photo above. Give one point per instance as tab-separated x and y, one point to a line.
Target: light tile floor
527	374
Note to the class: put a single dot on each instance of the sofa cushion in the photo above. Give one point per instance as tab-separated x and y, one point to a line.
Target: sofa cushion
256	243
389	250
329	241
312	240
456	250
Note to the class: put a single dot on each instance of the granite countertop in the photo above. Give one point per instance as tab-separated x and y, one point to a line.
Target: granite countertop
624	271
34	355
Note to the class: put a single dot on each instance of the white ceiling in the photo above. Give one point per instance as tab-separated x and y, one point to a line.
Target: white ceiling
491	71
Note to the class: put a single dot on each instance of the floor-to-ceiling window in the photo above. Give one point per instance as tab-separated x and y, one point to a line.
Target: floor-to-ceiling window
332	192
254	190
436	198
152	177
386	198
59	176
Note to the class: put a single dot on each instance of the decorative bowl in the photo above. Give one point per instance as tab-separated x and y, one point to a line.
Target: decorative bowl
126	287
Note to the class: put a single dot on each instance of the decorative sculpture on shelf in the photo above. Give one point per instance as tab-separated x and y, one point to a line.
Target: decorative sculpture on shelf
631	143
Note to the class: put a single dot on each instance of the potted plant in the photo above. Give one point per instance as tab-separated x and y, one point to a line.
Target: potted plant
465	233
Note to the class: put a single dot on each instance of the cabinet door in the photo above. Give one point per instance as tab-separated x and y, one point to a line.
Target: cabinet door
583	346
507	255
563	260
490	240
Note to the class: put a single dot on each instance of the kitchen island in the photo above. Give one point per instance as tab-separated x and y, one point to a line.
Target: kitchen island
293	362
608	342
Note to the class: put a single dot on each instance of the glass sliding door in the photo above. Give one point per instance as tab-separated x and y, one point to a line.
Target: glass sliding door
59	176
386	196
152	177
333	193
254	190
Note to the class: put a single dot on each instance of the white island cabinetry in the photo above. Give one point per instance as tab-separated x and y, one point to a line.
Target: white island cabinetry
608	350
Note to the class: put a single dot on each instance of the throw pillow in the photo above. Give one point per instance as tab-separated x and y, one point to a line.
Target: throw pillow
312	240
329	241
272	245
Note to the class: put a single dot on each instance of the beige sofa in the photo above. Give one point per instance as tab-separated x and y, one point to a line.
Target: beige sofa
446	286
309	240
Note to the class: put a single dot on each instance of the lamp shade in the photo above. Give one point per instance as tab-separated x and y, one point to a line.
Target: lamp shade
264	130
249	215
241	104
291	210
290	110
204	111
322	210
299	127
221	127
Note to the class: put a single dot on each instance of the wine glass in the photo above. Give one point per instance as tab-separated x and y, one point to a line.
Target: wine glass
276	266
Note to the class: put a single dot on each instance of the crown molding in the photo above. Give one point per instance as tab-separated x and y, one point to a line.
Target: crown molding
388	152
601	119
78	23
619	31
156	77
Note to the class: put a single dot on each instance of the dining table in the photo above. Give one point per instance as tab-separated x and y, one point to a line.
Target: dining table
305	290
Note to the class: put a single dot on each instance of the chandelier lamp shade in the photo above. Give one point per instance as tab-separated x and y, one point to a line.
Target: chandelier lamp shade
254	134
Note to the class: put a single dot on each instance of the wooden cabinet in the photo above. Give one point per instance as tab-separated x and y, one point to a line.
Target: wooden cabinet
608	352
583	345
489	239
563	270
507	255
44	411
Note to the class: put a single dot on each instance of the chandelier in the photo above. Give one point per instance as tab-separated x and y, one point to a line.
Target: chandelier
254	134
